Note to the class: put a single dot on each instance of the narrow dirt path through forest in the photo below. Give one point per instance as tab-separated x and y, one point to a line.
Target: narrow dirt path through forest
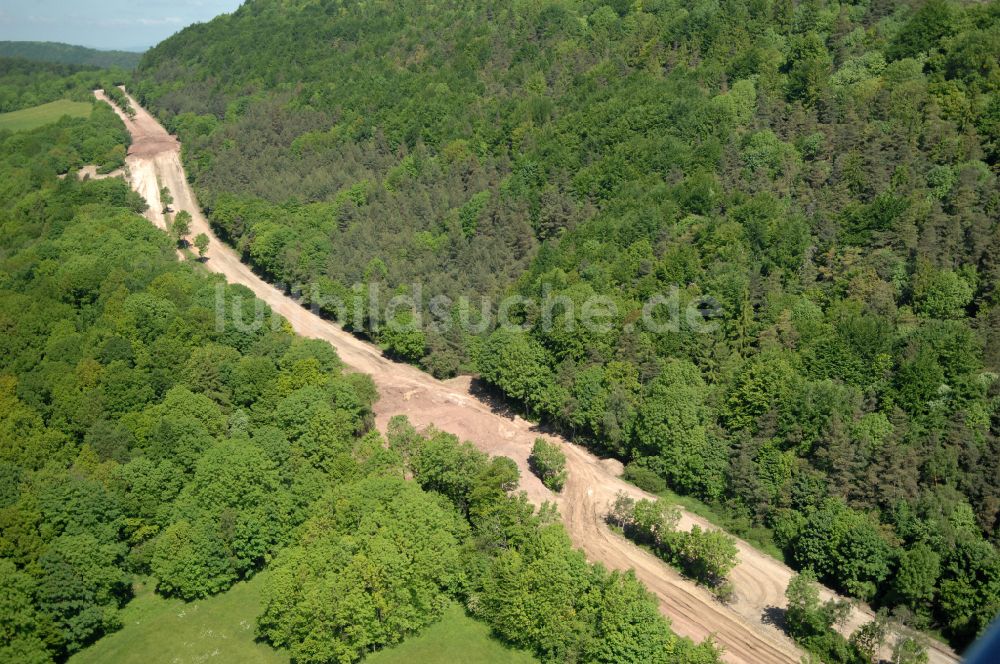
743	627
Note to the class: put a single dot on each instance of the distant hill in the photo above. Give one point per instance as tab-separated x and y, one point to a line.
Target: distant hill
69	54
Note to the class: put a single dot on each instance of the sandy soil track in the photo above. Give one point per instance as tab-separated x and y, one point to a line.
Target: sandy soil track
742	628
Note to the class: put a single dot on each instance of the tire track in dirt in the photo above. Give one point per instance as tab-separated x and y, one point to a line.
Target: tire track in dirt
759	580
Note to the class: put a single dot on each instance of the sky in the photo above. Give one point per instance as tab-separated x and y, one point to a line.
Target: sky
132	25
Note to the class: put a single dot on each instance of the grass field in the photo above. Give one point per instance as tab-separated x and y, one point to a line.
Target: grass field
168	631
221	630
454	638
36	116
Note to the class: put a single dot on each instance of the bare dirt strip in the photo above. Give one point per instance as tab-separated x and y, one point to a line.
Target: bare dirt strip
743	628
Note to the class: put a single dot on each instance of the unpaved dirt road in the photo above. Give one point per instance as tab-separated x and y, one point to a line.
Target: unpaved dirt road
742	628
89	172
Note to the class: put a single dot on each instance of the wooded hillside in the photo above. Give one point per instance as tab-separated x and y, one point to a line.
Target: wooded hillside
68	54
825	173
157	424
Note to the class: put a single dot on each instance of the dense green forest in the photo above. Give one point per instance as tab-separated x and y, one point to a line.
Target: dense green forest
141	439
69	54
136	437
824	173
24	84
349	587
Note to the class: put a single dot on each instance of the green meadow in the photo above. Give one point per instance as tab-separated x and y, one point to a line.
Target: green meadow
221	629
454	638
37	116
163	631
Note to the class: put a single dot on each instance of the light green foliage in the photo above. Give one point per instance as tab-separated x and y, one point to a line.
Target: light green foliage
531	588
140	438
468	214
201	242
909	650
516	363
166	198
672	425
970	586
559	586
442	464
809	66
706	555
403	338
181	225
234	512
21	627
763	150
189	560
740	102
870	638
754	391
25	84
655	518
549	463
811	623
378	559
122	449
119	99
630	625
221	627
917	575
942	294
803	612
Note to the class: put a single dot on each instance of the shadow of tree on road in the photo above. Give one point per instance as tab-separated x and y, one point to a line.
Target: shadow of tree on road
498	403
775	615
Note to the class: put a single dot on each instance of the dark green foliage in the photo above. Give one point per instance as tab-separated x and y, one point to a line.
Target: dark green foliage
24	84
644	478
845	548
68	54
924	30
80	586
24	631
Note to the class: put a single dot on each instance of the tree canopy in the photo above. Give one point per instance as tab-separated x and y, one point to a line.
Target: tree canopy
816	184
